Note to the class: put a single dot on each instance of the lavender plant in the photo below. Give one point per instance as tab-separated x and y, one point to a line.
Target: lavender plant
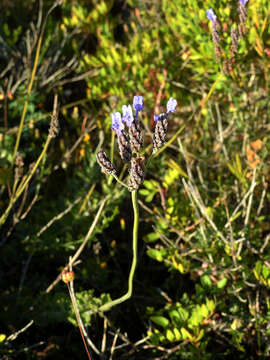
235	35
130	146
215	35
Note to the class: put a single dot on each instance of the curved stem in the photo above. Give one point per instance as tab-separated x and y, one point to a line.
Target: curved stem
126	296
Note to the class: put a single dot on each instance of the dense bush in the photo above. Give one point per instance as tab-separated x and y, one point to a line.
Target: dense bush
201	287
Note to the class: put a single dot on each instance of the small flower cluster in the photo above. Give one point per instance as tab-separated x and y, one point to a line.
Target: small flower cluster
242	16
130	141
227	65
215	28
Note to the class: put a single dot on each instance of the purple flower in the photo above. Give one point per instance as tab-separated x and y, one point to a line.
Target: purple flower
171	107
243	2
137	105
117	123
127	115
211	15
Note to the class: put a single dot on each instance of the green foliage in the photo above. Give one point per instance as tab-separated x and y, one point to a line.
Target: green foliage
202	282
185	321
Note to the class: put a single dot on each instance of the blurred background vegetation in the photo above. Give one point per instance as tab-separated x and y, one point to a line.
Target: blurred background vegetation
202	283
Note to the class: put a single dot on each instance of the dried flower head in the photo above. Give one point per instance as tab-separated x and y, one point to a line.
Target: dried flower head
136	137
122	137
136	173
161	127
242	16
235	40
19	164
133	124
67	276
124	146
160	132
54	126
105	163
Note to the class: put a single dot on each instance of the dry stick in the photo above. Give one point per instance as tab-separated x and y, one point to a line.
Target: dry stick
23	185
263	195
253	185
104	338
59	216
220	130
78	252
196	196
250	191
15	335
68	153
183	152
44	228
83	332
25	181
122	336
25	268
17	216
231	233
44	116
114	342
92	188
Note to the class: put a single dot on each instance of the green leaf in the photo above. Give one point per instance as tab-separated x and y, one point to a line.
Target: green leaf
170	335
222	283
210	304
174	315
177	334
265	271
155	254
186	334
204	311
160	320
2	337
183	314
152	237
206	281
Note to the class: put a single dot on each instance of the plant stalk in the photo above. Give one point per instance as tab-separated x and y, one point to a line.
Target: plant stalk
126	296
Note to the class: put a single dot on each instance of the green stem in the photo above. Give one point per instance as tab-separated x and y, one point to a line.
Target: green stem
29	89
125	297
31	82
111	157
22	186
120	182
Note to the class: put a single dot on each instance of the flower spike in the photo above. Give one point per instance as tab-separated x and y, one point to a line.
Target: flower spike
127	115
137	105
171	105
211	15
117	123
161	127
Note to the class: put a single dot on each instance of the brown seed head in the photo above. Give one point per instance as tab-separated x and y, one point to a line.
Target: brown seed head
105	163
136	173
